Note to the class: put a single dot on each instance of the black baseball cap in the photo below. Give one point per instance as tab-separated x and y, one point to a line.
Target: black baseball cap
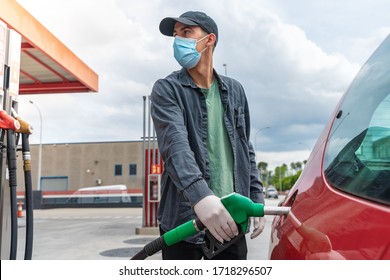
190	18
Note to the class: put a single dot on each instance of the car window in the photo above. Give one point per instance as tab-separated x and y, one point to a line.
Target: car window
357	156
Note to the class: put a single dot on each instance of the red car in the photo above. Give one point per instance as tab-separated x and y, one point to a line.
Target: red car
340	206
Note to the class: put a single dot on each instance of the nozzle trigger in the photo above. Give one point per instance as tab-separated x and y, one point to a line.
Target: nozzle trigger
212	247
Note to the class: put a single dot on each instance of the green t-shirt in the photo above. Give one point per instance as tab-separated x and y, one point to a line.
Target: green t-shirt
218	144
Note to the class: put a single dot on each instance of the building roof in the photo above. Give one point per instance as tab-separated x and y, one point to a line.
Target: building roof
47	65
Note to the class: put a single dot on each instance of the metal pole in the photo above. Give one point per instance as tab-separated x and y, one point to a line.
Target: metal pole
149	132
154	160
40	148
158	154
150	162
225	65
304	144
260	129
280	179
143	162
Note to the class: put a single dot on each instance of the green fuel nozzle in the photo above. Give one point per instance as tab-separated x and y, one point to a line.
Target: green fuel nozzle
239	207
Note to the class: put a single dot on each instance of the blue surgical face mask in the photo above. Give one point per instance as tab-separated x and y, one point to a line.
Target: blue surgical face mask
184	50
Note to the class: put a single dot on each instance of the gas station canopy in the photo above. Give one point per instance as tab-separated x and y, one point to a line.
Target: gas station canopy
47	65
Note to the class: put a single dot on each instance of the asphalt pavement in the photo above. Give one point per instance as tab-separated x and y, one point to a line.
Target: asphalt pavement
103	234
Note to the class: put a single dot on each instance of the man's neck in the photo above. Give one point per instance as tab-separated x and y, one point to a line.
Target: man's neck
203	75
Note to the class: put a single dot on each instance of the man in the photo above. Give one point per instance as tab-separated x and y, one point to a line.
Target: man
202	125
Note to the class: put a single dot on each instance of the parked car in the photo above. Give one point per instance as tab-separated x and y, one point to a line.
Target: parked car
101	194
271	192
340	205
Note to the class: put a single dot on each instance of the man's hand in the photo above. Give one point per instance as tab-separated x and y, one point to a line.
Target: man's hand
258	224
216	218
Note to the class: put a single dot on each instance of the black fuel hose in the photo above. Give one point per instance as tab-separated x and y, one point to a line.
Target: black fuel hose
169	238
150	249
28	197
11	157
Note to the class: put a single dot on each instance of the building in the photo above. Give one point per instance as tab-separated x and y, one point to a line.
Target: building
68	167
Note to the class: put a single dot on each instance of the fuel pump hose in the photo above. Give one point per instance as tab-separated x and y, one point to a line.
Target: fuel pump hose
28	196
171	237
11	158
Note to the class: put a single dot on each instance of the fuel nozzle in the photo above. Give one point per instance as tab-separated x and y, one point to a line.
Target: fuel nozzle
277	210
8	122
25	127
239	207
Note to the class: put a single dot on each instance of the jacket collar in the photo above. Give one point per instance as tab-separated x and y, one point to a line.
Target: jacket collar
186	80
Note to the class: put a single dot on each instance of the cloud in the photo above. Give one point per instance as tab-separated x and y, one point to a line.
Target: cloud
292	81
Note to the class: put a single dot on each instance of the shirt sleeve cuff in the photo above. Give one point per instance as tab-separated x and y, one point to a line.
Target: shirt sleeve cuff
197	191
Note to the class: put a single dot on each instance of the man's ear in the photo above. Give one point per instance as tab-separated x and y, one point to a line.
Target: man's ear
211	39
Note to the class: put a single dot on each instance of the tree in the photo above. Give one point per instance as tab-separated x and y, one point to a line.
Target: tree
262	166
264	173
282	178
296	166
293	166
280	174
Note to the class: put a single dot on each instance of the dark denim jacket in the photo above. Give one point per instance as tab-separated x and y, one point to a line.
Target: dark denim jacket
180	118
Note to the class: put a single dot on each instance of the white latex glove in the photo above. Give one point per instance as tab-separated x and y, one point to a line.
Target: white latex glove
216	218
258	226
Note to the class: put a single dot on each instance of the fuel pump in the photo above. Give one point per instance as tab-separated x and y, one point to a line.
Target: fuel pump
10	130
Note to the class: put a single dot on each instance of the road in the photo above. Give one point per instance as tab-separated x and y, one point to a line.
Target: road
102	234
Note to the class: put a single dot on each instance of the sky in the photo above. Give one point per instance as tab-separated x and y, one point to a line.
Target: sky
294	59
